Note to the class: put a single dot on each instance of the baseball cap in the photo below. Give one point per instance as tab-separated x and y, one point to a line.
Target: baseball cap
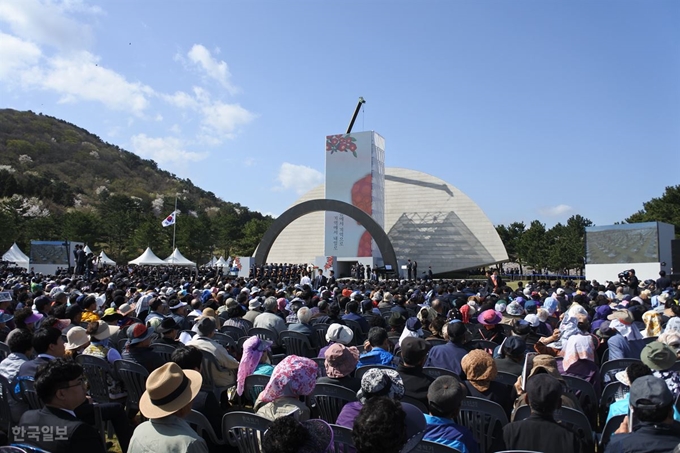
445	394
650	392
545	389
414	349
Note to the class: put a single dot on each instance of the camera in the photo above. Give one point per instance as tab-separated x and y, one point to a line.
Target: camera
623	275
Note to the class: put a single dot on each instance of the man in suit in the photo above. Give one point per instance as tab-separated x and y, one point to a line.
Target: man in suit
331	280
319	281
48	345
61	386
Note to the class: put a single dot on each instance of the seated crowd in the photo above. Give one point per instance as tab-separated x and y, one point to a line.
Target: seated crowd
415	356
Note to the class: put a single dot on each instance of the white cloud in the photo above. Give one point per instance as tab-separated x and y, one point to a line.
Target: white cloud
217	70
555	211
164	149
47	22
16	55
299	178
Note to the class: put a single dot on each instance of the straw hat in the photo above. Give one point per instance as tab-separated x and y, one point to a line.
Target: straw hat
169	389
76	337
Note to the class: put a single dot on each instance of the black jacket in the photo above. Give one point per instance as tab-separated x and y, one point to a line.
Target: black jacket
79	436
146	357
646	438
541	433
416	382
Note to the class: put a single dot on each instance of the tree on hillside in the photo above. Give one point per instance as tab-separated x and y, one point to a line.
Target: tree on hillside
663	209
533	246
511	237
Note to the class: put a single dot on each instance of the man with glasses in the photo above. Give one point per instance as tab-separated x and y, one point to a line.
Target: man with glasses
60	385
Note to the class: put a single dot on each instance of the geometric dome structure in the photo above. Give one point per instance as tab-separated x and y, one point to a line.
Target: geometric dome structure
426	219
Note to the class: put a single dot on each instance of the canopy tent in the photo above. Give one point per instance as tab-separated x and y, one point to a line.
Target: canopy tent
148	259
221	262
212	262
105	260
177	259
87	250
15	255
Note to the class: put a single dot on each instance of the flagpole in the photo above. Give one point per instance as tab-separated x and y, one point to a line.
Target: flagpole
174	225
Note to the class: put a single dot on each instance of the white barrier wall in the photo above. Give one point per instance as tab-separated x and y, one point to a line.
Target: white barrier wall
610	272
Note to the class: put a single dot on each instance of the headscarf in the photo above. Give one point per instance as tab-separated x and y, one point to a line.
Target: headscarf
253	349
673	325
431	314
652	322
413	329
465	313
579	347
381	382
601	314
551	305
630	331
479	368
293	377
569	325
671	339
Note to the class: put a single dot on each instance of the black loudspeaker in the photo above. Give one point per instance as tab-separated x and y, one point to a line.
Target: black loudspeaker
675	256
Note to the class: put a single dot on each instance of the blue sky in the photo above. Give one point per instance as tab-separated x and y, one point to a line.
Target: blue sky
534	109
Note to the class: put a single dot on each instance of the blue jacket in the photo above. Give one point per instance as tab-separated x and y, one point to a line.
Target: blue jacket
621	348
620	407
376	356
449	433
447	356
647	438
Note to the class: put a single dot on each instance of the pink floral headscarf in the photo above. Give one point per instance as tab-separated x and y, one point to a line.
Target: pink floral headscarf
294	376
253	349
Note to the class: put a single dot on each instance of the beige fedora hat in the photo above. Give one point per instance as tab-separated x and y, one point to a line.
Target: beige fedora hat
76	337
169	389
104	331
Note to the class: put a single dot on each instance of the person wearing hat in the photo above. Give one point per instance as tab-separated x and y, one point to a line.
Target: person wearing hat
178	311
337	333
166	402
480	371
628	342
269	319
512	353
513	312
445	396
287	434
169	330
340	362
489	328
225	375
157	312
414	354
540	432
292	378
544	364
660	358
77	340
654	430
26	319
449	355
138	347
60	384
74	313
396	324
254	309
377	347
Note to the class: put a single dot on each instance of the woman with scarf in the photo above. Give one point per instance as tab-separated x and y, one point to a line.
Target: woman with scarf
292	378
652	320
579	360
600	316
255	360
480	370
413	329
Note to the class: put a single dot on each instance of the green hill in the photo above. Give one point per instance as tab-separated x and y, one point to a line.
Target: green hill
59	181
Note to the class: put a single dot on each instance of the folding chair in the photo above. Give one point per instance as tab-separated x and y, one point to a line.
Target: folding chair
253	386
359	373
608	397
609	428
435	372
234	332
244	430
321	364
417	403
330	399
202	426
609	368
426	446
576	419
359	334
585	393
164	350
320	331
506	378
97	371
29	395
225	340
484	418
296	343
208	367
24	448
133	375
265	334
342	439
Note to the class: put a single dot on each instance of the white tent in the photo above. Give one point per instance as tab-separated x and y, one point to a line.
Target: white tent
212	262
105	260
177	259
15	255
148	259
87	250
221	262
